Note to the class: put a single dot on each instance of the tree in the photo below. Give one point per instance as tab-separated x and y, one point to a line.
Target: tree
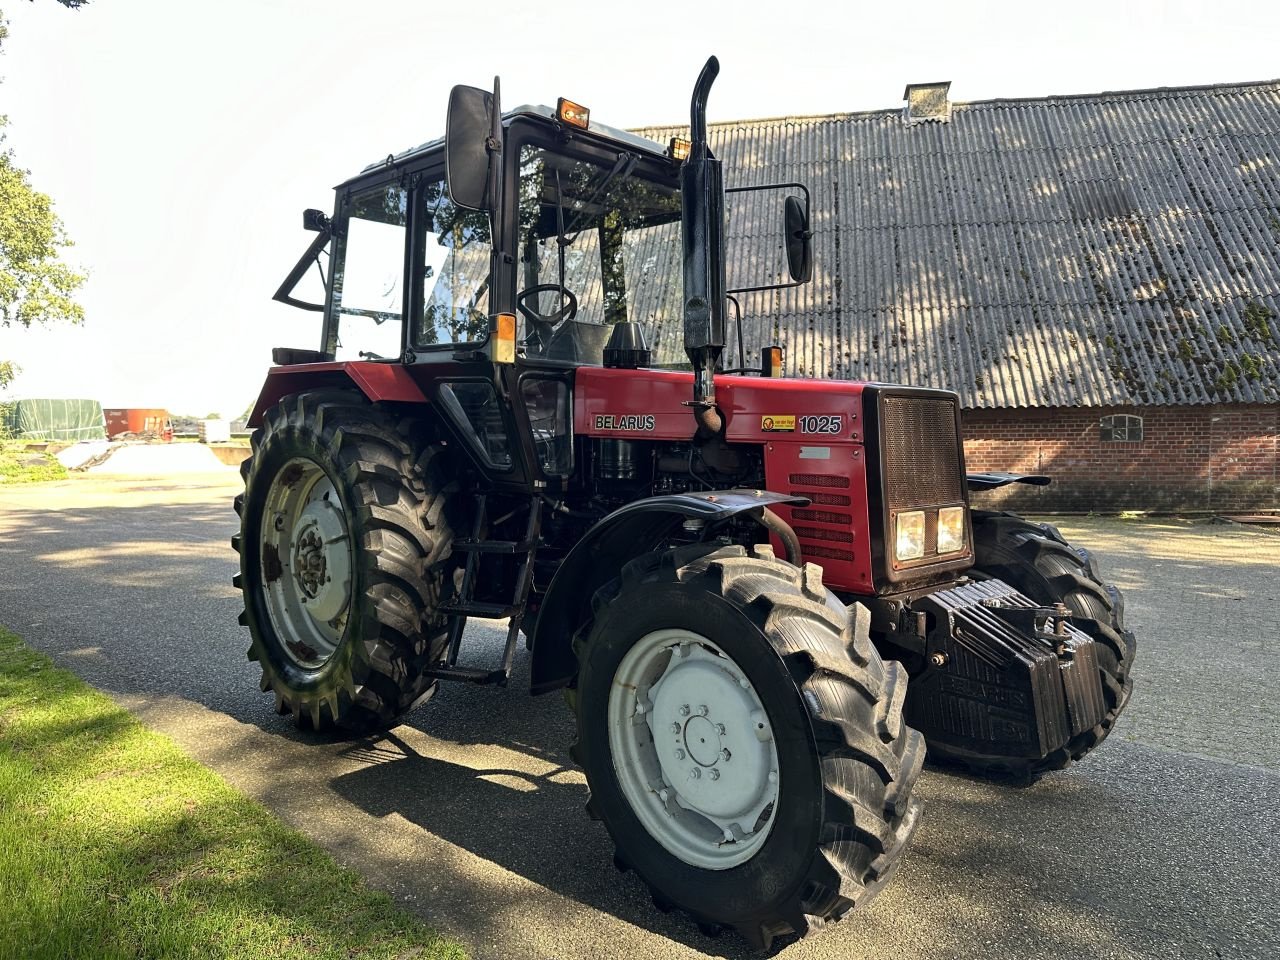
36	286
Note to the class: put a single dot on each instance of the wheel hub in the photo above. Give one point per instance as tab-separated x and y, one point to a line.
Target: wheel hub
321	560
693	749
307	562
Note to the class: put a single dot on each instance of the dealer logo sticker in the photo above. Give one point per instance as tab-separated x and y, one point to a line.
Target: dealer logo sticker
778	424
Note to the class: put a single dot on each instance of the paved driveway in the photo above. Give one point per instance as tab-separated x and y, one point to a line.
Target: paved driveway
1161	846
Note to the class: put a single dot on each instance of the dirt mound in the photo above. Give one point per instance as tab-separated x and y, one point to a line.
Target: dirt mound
158	460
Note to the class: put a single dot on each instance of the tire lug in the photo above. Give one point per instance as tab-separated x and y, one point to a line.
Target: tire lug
684	710
695	773
715	774
720	729
703	710
680	754
725	755
676	728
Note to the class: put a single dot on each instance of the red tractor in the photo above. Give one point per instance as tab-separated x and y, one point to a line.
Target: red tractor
732	575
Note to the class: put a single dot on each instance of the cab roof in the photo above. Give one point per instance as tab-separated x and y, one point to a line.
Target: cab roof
524	110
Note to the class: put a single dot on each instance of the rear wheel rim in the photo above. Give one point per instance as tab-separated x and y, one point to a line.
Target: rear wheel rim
306	563
693	749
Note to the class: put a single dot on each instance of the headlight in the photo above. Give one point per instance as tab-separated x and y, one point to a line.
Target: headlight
910	538
950	529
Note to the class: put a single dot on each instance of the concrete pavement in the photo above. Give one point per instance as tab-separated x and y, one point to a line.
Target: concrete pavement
470	813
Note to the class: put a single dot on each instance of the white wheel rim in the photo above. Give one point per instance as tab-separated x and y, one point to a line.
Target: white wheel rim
693	749
306	562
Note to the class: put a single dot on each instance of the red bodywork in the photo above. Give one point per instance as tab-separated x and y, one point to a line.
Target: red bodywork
378	381
828	468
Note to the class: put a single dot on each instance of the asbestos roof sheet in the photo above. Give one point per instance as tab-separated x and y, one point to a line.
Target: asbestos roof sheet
1119	248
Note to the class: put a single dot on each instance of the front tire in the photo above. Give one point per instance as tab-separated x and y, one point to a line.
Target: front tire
343	546
1039	562
784	798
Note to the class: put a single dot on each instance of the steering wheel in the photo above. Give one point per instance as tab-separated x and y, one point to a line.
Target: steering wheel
545	324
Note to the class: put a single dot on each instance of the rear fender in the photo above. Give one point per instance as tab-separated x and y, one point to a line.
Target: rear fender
989	481
377	381
599	556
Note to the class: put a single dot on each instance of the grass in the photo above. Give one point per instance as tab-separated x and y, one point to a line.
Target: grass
18	465
115	844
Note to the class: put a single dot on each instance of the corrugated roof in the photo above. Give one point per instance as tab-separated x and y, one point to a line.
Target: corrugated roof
1117	248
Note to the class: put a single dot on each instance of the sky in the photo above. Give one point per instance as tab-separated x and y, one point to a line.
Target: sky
181	140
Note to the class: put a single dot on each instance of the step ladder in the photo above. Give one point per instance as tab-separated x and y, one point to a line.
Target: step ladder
463	605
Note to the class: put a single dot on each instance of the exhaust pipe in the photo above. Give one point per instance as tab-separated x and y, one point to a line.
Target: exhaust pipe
702	219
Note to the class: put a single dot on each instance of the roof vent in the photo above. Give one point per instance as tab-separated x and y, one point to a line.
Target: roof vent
927	101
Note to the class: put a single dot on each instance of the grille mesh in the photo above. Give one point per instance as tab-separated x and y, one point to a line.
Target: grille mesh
829	499
828	553
921	451
822	533
819	480
821	516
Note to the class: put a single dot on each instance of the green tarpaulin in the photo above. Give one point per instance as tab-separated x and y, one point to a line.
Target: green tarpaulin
54	420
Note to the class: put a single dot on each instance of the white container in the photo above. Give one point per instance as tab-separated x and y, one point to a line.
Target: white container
215	431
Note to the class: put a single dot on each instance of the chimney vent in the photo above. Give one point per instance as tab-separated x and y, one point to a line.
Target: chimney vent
927	101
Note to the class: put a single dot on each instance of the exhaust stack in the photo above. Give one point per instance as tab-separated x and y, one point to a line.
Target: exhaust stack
702	197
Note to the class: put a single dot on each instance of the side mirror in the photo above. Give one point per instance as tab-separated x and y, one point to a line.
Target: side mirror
315	220
799	239
470	124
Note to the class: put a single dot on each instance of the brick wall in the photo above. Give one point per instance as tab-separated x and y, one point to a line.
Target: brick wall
1221	458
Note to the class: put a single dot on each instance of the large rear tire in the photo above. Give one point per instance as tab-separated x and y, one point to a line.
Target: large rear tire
344	541
743	740
1039	562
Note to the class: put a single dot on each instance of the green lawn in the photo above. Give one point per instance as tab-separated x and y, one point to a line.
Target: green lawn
114	843
18	465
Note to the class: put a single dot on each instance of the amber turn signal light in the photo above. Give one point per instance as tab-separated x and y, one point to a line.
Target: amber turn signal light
771	362
503	338
574	114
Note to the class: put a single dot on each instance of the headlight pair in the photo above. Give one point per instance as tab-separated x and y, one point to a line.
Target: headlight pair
910	533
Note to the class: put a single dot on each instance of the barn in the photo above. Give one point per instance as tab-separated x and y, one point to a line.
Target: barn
1097	276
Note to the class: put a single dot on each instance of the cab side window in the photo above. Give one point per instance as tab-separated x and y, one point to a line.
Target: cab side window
368	280
454	271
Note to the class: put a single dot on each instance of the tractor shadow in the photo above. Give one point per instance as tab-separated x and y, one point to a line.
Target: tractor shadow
526	811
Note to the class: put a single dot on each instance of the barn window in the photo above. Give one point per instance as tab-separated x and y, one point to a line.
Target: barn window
1120	428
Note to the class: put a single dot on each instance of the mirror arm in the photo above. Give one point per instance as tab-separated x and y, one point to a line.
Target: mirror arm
285	293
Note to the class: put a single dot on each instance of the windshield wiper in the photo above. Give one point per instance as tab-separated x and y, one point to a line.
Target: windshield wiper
622	167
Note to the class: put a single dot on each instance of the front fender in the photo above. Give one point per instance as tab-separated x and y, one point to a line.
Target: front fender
599	556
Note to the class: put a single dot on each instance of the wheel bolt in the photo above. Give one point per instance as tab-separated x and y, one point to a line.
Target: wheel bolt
715	774
676	728
702	710
684	710
679	754
725	755
720	729
695	773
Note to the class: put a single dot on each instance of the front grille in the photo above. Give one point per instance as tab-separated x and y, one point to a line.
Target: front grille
821	516
823	534
819	480
921	452
827	499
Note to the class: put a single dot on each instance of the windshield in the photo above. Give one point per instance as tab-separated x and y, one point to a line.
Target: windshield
599	243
